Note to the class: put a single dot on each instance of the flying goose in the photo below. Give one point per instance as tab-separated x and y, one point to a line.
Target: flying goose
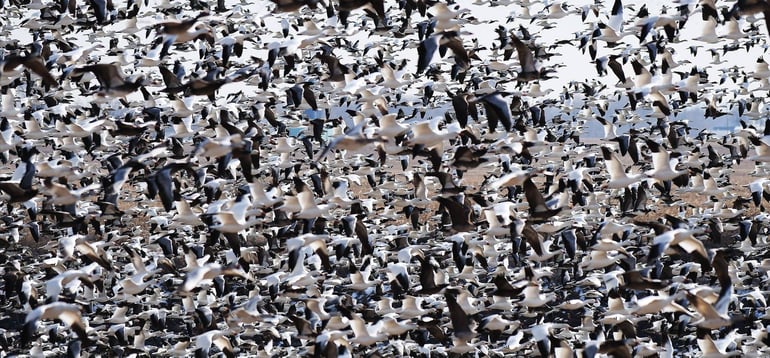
661	163
177	27
497	325
353	139
497	110
646	23
750	7
608	34
759	189
654	304
529	70
112	82
372	8
461	323
616	16
427	134
541	333
533	296
88	246
61	195
708	32
389	127
295	5
185	214
389	79
9	65
16	193
540	247
438	41
618	177
711	347
363	333
430	277
215	337
538	210
682	238
206	273
712	316
391	326
762	150
411	307
459	213
68	313
210	86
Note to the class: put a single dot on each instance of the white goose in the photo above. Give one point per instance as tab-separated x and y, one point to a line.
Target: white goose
618	177
661	163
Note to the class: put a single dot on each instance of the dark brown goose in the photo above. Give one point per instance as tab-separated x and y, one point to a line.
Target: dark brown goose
111	79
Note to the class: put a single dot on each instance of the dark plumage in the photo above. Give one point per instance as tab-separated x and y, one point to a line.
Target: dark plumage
537	208
111	79
459	213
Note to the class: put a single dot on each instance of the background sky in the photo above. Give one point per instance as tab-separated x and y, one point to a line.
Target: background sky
577	66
